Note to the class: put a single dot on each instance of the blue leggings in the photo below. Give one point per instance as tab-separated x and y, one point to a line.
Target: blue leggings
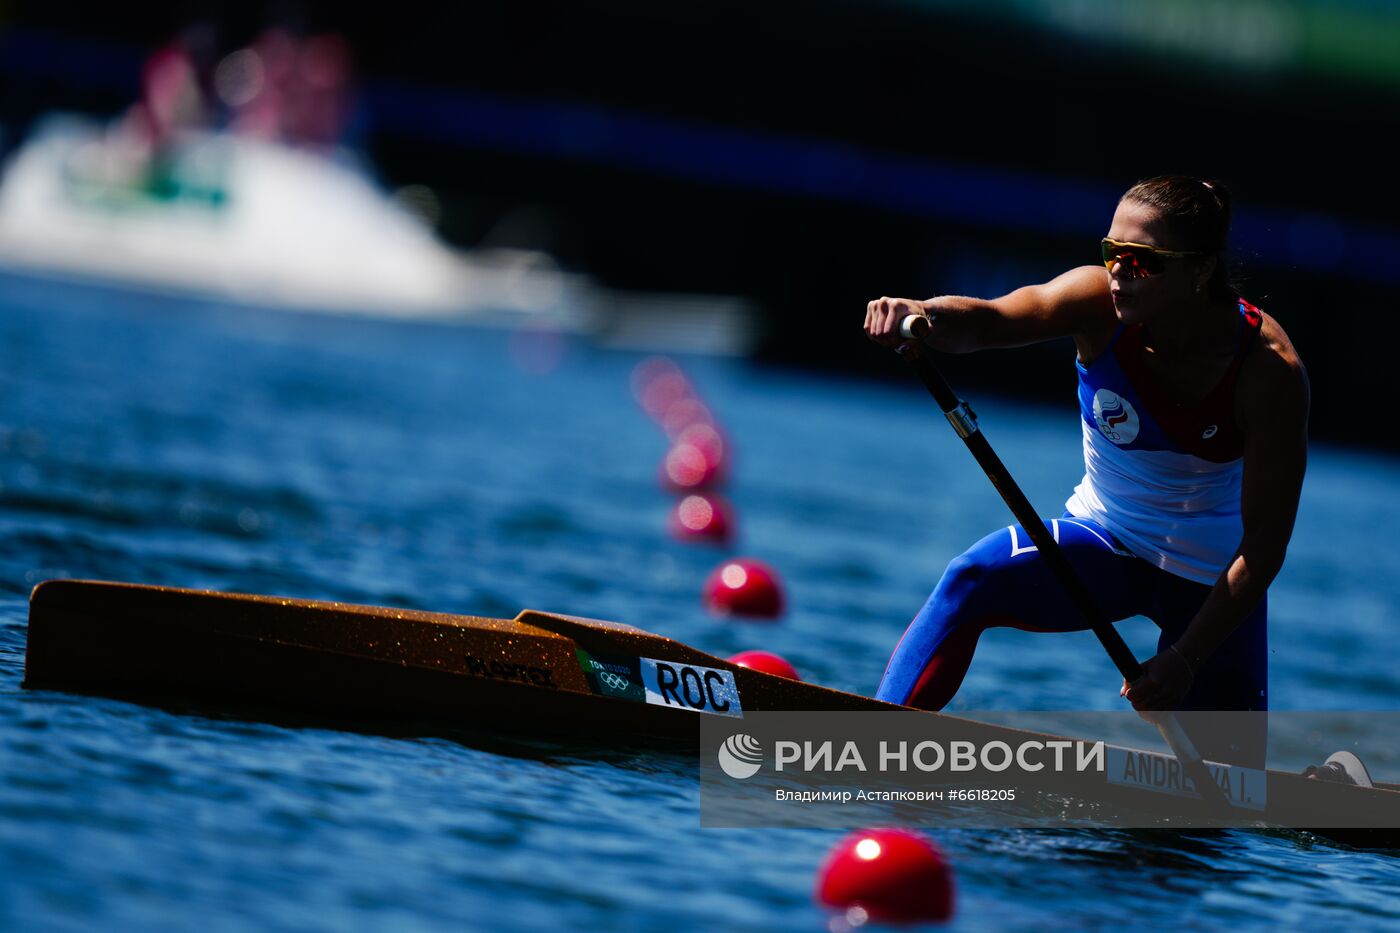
1000	581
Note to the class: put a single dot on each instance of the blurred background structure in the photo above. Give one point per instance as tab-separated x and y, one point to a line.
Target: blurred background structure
779	163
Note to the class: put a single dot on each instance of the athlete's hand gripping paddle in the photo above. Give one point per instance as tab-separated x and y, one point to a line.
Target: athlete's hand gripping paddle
964	422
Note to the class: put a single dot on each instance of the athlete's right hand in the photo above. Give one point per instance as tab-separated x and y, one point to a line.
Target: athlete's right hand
883	317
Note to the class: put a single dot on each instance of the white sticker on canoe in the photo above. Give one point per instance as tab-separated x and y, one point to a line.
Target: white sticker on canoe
1131	767
685	686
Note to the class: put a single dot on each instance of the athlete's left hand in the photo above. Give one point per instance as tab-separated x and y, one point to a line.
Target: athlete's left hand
1166	678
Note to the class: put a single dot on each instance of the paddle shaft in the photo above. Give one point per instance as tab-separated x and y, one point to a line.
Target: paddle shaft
964	422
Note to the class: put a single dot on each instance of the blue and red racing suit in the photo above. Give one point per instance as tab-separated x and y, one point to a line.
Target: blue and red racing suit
1150	529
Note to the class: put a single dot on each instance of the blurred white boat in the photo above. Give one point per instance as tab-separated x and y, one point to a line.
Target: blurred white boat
252	221
249	220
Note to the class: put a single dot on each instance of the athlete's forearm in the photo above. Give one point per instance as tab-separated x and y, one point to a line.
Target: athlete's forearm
1231	600
962	325
1273	396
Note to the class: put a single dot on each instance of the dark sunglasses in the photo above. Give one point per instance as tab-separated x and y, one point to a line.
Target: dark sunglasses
1138	259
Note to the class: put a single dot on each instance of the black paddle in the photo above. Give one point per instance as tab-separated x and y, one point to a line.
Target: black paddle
961	417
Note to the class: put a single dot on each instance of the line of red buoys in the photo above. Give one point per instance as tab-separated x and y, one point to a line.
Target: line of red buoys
882	875
696	464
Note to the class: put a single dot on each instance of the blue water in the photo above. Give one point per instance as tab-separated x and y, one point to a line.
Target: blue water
166	441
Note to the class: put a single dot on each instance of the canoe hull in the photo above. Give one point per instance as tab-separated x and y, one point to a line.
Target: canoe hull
359	660
528	675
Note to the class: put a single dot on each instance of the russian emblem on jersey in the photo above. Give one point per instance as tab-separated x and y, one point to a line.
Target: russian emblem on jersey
1115	416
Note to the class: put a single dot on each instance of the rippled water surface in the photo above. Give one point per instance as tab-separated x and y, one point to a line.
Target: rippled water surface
164	441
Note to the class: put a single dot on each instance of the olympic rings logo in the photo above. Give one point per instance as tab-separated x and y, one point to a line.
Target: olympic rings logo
613	681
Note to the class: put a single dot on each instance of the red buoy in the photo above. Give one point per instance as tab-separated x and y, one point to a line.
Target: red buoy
704	436
891	875
767	662
704	517
744	587
695	460
683	413
648	371
657	384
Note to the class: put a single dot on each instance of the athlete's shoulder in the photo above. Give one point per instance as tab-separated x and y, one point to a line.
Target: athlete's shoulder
1069	305
1274	355
1085	283
1273	380
1083	287
1085	295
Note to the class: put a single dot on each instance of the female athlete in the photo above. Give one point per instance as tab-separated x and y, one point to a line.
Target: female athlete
1194	408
